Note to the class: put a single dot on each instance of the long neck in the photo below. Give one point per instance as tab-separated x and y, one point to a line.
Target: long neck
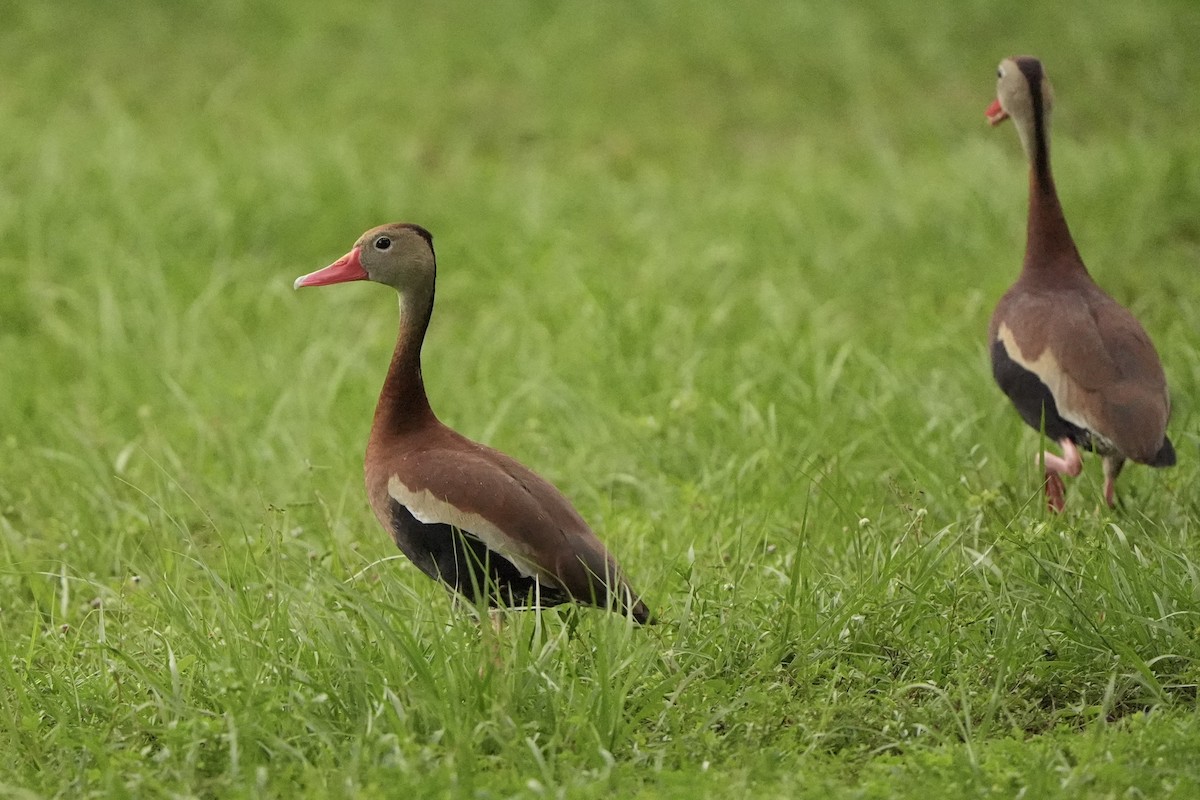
1048	243
402	402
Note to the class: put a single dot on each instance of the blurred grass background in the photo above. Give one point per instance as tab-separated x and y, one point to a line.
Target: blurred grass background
721	273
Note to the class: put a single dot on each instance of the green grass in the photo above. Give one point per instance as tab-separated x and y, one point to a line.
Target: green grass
722	273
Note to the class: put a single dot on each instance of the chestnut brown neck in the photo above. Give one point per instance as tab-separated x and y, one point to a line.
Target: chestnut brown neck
1049	246
403	406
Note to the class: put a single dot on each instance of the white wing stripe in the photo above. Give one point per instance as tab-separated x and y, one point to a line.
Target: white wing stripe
430	510
1046	368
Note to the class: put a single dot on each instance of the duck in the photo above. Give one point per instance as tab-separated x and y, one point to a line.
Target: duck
1076	364
488	528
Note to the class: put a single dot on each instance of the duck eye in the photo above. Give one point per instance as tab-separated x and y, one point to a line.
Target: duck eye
999	72
383	243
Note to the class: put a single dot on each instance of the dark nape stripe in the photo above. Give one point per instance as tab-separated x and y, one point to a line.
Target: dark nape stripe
423	233
1031	68
428	237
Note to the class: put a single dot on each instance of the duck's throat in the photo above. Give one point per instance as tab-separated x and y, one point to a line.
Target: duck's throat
402	402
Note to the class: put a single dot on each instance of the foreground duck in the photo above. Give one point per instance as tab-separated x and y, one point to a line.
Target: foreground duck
465	514
1072	360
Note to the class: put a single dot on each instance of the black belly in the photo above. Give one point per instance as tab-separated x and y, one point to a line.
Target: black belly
466	565
1032	399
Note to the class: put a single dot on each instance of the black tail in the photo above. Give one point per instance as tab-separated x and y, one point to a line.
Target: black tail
641	614
1165	457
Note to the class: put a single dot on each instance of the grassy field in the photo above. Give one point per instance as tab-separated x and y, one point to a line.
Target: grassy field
722	272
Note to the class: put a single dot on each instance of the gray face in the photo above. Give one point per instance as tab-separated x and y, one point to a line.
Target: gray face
398	255
1016	95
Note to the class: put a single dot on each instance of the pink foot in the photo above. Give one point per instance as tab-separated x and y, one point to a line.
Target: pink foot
1055	493
1069	463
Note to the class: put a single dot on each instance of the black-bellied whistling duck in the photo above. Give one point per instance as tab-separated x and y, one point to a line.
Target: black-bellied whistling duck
465	514
1073	361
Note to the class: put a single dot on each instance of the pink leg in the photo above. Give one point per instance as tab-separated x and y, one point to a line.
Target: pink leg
1069	463
1112	468
1055	493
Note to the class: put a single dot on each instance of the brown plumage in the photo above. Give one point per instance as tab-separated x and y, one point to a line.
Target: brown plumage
1074	362
465	514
